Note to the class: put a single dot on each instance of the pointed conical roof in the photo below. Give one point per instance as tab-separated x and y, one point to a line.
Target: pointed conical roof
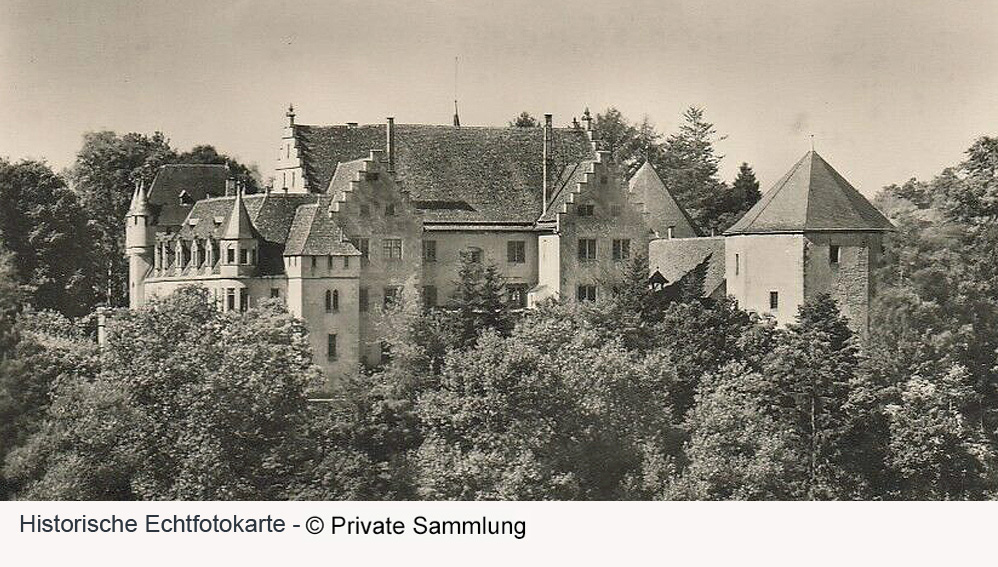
239	226
140	200
811	197
664	211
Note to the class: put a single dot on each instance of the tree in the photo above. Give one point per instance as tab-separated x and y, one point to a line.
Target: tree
104	176
524	120
935	452
725	206
44	227
690	166
190	403
479	299
249	176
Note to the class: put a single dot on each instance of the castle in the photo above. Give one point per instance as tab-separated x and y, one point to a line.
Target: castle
363	215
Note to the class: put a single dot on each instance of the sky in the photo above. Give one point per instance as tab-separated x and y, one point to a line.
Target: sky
889	89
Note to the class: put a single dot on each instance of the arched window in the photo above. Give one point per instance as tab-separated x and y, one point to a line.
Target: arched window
336	300
329	301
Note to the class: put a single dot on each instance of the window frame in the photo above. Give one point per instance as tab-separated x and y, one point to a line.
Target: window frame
585	254
516	251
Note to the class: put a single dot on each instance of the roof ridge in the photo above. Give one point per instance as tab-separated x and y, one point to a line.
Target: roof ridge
767	198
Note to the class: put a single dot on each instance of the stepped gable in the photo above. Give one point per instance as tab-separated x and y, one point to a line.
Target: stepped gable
455	174
811	197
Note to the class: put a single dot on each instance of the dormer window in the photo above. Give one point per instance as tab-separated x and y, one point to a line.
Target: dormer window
185	198
587	210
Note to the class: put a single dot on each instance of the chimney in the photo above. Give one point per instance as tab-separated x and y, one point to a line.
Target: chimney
390	144
588	119
230	186
546	166
671	229
291	115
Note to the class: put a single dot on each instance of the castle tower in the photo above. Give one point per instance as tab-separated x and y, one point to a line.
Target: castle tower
139	244
812	233
238	245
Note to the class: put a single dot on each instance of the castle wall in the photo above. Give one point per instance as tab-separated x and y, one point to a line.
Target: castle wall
758	264
850	280
494	245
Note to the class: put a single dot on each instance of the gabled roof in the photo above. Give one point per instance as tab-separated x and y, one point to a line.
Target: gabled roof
199	181
676	257
663	210
313	233
812	196
466	174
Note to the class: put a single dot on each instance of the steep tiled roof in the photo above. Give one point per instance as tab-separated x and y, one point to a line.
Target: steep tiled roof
313	233
570	175
238	224
647	187
676	257
197	180
466	174
811	197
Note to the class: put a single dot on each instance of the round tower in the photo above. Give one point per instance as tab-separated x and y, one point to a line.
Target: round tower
139	244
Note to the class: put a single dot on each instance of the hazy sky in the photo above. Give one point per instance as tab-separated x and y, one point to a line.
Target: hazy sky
890	89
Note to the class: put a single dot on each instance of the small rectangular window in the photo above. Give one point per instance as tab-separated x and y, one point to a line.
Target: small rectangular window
230	299
586	210
621	249
365	211
362	299
331	346
737	264
275	292
429	250
390	210
586	292
329	262
392	296
587	249
346	262
392	248
429	296
230	255
371	175
243	299
473	254
516	251
615	209
774	300
833	254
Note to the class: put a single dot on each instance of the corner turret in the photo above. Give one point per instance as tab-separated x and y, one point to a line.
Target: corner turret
239	246
139	239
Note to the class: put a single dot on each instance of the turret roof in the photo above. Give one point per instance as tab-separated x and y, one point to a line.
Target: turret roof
811	197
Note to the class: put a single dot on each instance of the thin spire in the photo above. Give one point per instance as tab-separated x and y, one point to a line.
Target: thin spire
812	142
457	119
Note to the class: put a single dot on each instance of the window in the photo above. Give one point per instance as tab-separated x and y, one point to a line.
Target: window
621	249
243	299
586	210
243	256
833	254
615	209
230	255
586	292
774	300
516	251
230	299
275	292
392	295
253	256
313	262
516	295
365	211
331	346
390	210
346	262
473	254
392	248
429	296
362	299
738	264
329	262
587	249
332	301
429	250
371	176
602	180
336	300
363	245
